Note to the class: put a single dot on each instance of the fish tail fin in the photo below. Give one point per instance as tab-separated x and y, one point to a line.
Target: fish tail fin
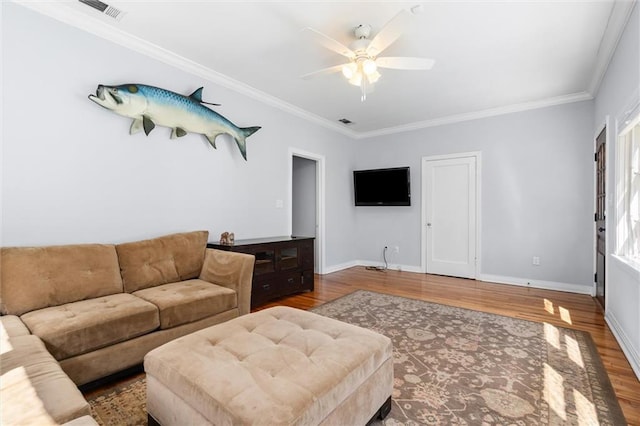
244	133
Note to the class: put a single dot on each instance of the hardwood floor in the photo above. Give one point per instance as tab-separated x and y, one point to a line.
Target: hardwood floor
558	308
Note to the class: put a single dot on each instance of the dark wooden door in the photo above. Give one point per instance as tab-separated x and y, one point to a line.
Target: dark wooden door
601	144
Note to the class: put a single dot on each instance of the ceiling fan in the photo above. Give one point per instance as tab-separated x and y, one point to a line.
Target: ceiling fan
362	68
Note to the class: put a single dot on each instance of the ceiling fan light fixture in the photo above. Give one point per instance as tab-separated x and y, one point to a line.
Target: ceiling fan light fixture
369	66
349	70
356	80
373	77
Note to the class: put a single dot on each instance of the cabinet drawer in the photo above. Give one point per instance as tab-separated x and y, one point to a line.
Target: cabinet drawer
263	290
296	282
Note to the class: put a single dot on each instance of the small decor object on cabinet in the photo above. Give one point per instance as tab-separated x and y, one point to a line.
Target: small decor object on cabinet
227	238
149	105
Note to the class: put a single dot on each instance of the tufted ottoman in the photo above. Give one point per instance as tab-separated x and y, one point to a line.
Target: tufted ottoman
277	366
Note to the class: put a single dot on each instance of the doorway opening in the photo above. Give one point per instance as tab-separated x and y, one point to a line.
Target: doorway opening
307	201
600	216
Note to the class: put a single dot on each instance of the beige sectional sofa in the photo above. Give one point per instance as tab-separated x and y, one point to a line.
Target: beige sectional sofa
98	309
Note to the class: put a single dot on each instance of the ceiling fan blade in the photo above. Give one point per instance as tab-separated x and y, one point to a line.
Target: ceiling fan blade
330	70
389	33
405	63
330	43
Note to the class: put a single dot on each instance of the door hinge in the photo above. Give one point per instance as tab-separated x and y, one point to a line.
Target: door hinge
595	277
595	157
595	217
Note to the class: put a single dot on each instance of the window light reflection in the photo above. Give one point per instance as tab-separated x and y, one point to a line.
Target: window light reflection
548	306
573	351
565	315
554	391
5	345
585	409
552	334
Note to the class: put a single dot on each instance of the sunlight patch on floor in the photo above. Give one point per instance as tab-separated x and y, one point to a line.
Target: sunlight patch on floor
554	391
573	351
548	306
585	409
552	335
565	315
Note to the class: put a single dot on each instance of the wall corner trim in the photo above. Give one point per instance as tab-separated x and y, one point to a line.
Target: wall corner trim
618	20
625	343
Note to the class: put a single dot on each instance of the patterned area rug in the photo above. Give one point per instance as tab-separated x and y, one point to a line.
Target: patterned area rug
455	366
124	404
461	367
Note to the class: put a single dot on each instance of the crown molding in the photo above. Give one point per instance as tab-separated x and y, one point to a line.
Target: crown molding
492	112
61	11
620	14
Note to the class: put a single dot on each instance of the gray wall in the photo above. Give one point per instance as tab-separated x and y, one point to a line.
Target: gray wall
71	173
536	189
620	86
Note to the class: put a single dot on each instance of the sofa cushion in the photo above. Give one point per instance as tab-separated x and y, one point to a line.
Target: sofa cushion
80	327
39	277
188	301
163	260
34	389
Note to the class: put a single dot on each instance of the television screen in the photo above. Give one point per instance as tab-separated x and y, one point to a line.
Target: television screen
382	187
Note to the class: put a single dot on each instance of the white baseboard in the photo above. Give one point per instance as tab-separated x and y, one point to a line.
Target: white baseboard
499	279
546	285
347	265
339	267
627	347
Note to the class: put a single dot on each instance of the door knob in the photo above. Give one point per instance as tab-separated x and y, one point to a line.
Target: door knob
601	229
429	225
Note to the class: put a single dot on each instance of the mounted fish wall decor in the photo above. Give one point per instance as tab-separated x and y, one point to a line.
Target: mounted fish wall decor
149	105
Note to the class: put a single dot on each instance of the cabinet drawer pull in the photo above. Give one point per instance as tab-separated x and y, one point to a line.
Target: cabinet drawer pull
290	280
266	286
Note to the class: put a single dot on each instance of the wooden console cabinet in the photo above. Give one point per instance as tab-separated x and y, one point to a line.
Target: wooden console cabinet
284	265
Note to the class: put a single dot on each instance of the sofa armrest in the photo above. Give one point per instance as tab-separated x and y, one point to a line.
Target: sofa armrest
11	326
232	270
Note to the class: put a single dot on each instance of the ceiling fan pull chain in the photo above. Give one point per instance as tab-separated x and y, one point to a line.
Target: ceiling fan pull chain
363	87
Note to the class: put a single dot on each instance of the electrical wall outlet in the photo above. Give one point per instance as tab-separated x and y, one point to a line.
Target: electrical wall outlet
536	261
396	249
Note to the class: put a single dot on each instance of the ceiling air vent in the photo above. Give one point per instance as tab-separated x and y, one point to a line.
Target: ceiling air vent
104	8
345	121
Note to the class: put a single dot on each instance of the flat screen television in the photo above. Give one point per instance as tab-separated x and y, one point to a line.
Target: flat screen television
382	187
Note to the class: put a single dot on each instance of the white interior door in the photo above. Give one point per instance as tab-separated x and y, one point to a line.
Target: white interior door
449	214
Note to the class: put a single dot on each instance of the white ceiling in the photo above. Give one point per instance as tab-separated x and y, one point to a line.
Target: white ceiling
491	56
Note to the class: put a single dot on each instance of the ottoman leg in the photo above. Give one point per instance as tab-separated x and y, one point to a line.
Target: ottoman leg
383	412
385	409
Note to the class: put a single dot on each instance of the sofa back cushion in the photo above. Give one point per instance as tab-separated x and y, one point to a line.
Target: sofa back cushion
39	277
163	260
